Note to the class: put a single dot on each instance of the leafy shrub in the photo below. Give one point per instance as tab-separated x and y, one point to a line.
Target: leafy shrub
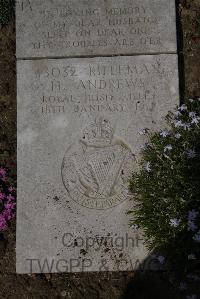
7	8
7	200
166	188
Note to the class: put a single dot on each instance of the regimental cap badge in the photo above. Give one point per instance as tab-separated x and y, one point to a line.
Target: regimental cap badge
98	133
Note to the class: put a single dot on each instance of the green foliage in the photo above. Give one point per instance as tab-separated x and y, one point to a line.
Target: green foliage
166	189
7	8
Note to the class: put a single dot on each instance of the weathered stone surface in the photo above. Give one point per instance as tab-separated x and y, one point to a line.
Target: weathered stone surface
63	28
78	141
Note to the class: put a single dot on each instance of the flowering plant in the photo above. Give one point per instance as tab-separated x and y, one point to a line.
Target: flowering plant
7	200
166	189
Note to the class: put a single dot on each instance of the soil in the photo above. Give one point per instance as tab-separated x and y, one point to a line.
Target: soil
86	285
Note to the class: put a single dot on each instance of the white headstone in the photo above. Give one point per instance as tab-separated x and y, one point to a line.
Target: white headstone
78	142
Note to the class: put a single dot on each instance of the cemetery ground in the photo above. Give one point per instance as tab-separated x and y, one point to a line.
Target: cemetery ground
87	285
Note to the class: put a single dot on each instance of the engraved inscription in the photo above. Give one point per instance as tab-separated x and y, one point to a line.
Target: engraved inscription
98	88
93	167
24	5
80	27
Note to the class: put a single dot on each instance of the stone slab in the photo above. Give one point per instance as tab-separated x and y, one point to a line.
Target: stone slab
78	141
66	28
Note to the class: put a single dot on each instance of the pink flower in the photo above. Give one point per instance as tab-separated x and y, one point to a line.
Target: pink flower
11	189
2	172
10	198
9	206
7	214
4	178
2	196
3	223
